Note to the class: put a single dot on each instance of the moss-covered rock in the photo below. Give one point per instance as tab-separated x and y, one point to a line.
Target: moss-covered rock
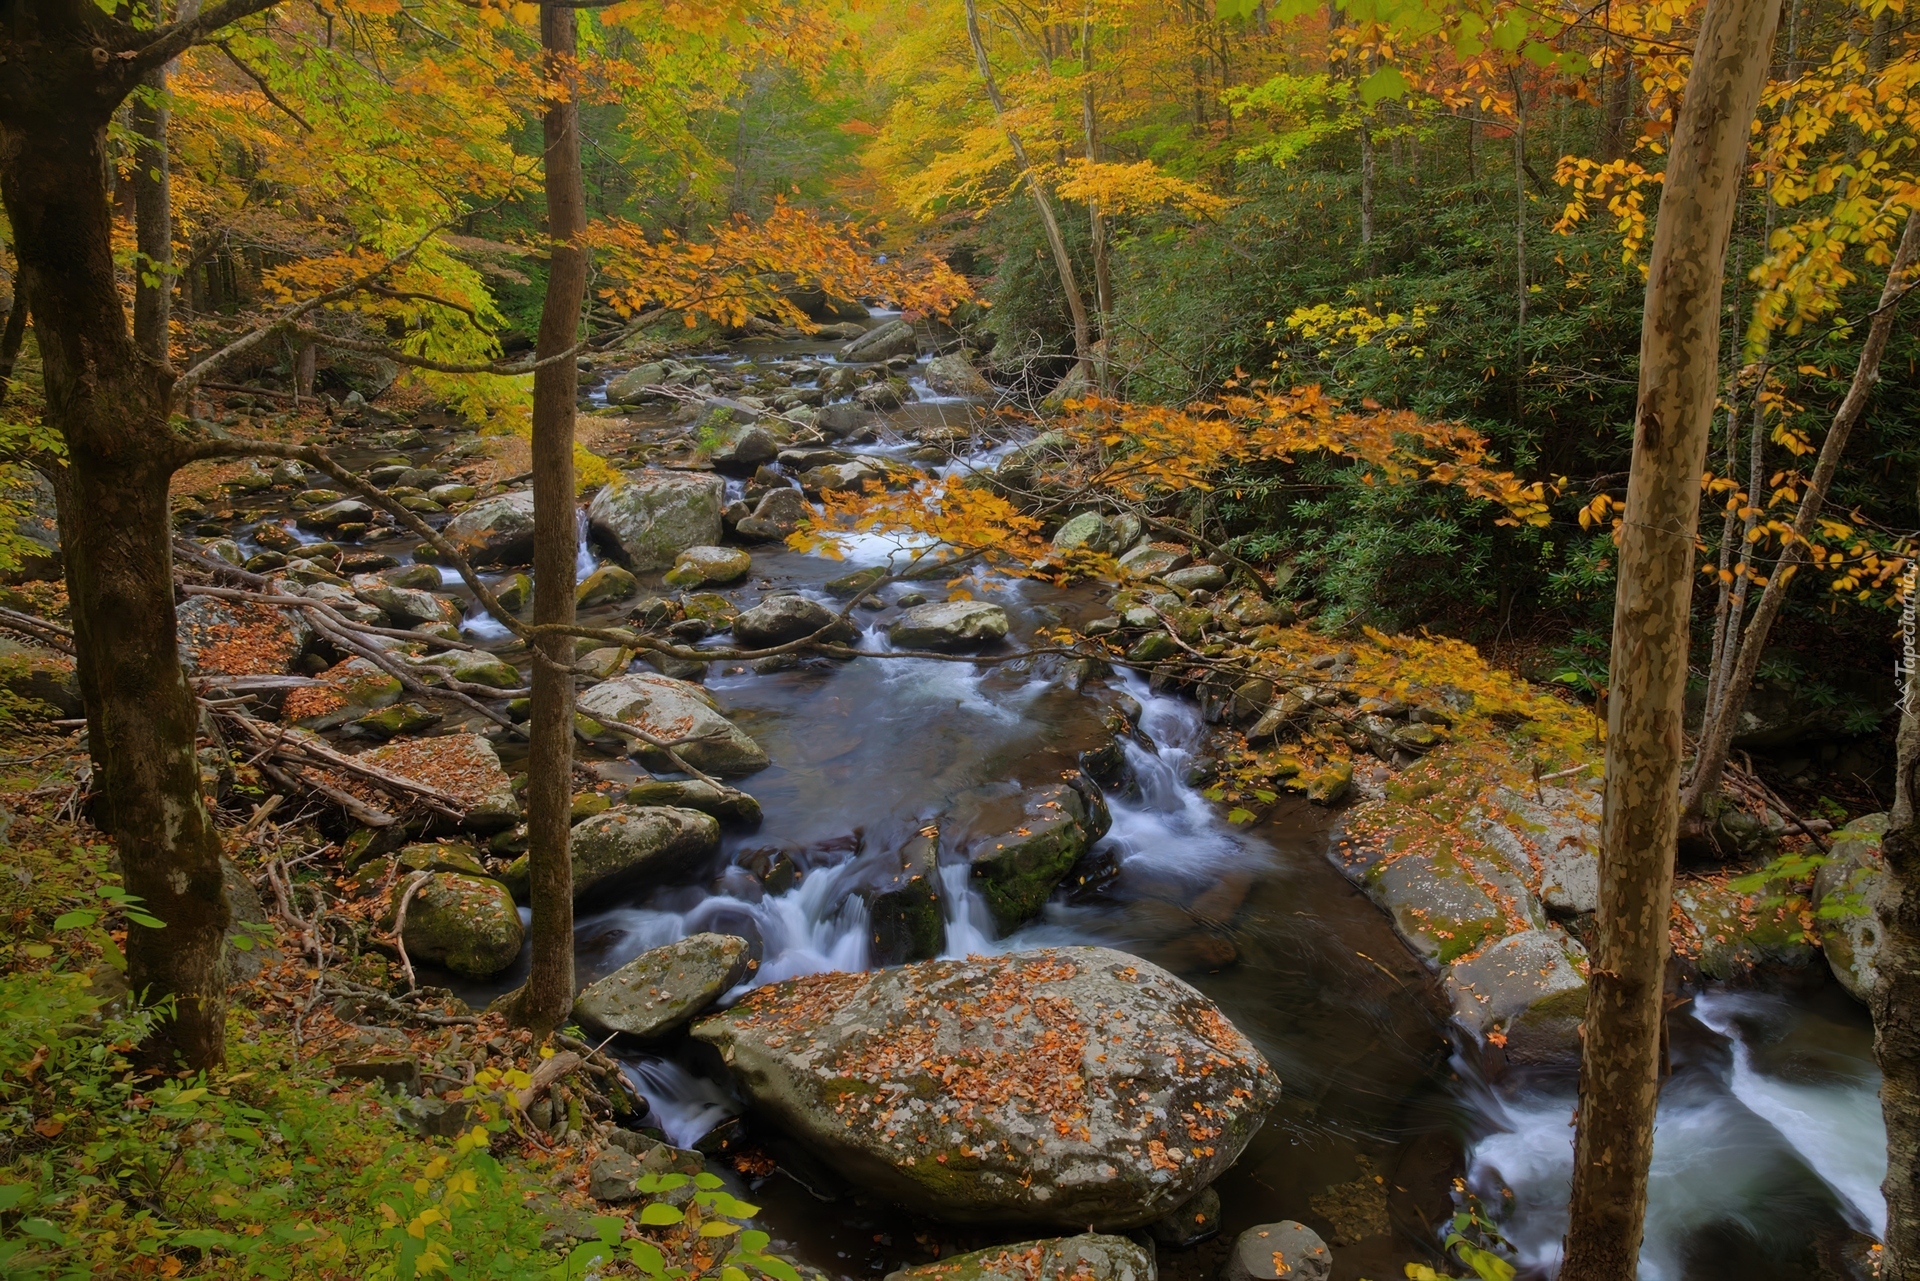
1529	989
904	920
1092	1256
1017	864
1844	890
626	845
732	807
1108	1093
662	990
1730	932
466	923
605	585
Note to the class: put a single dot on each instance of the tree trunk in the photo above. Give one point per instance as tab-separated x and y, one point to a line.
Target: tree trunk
110	402
1716	734
1895	999
1679	378
152	217
14	335
1102	277
1082	344
1366	184
549	992
305	365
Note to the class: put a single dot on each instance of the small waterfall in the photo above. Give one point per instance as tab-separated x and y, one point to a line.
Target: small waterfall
683	1105
969	923
583	561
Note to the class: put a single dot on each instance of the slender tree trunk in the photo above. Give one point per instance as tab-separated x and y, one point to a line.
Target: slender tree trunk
1102	278
1366	183
305	366
549	992
1895	1000
1063	263
152	217
1613	136
1679	376
1716	735
14	335
110	402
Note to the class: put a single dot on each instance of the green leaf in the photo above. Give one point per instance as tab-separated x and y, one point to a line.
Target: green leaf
12	1194
75	920
779	1269
1384	83
205	1239
659	1215
718	1228
151	922
646	1257
752	1240
609	1228
1238	815
1226	9
707	1182
1509	33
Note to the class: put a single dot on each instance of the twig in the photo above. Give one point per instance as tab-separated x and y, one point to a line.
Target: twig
400	925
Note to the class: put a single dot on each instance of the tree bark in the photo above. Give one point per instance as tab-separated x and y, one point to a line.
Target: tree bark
1716	734
1679	377
1062	262
1102	276
1895	999
548	996
110	401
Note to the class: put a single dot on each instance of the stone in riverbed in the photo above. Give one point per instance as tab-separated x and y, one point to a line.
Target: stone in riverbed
1209	577
462	765
662	990
495	531
238	638
778	514
1190	1224
1527	987
1020	854
679	712
471	666
1734	932
1152	561
780	619
904	920
954	375
1110	1093
1090	1256
950	625
700	565
466	923
626	845
731	807
1284	1251
895	338
1844	890
649	517
1448	903
605	584
351	690
1089	531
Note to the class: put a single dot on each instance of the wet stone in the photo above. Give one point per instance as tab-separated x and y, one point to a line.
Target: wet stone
1284	1251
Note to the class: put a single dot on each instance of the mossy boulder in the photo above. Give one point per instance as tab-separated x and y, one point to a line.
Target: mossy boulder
699	565
1021	847
628	845
678	712
1731	931
605	585
1530	989
904	920
1109	1092
1844	890
1448	903
649	517
466	923
348	692
1091	1256
662	990
495	531
948	626
732	807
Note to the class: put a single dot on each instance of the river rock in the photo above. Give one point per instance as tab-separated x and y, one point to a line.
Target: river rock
1845	890
408	606
472	666
605	584
461	765
1284	1251
649	517
1188	1224
1089	531
1021	846
700	565
661	991
238	638
733	808
495	531
949	625
514	592
392	722
1152	561
895	338
1108	1093
1451	902
36	522
1197	577
1731	932
466	923
954	375
778	514
1551	841
678	712
1091	1256
780	619
635	386
743	447
348	511
904	920
626	845
348	691
1530	988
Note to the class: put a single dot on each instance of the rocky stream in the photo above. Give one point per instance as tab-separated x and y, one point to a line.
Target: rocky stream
1022	814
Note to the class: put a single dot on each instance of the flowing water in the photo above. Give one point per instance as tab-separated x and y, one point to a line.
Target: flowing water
1769	1149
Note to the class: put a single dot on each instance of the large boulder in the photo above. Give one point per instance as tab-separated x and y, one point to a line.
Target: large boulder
1844	893
697	566
1089	531
677	712
1529	989
777	515
743	447
954	375
466	923
730	806
462	765
649	517
1448	903
495	531
238	638
637	385
780	619
627	846
1091	1256
661	991
949	625
1106	1092
1730	932
1151	561
895	338
1551	840
347	692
